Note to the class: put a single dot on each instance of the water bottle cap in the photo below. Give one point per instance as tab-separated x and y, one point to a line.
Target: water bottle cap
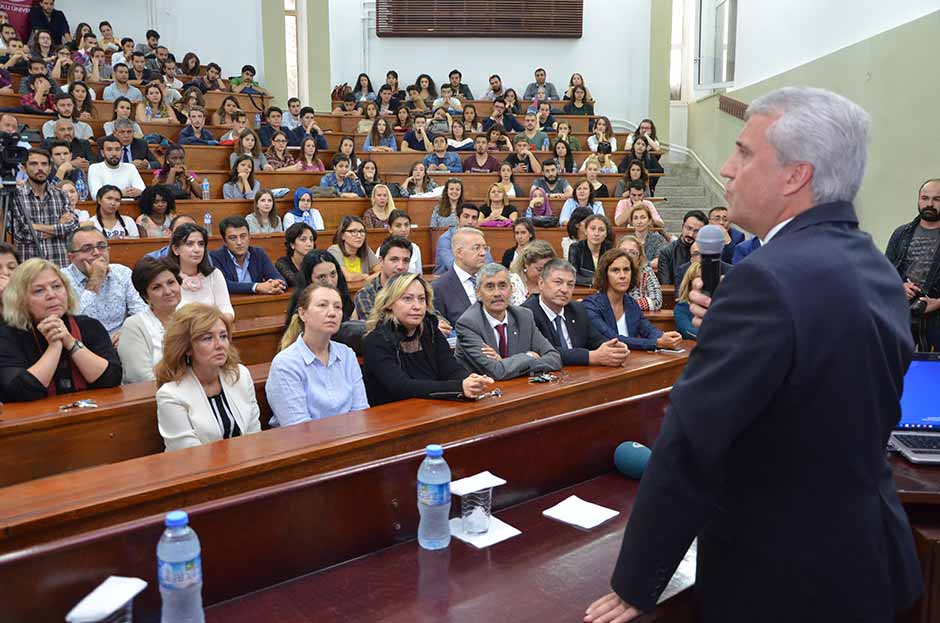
176	519
434	450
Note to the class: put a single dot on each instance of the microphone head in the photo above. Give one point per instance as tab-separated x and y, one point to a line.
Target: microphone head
711	240
631	458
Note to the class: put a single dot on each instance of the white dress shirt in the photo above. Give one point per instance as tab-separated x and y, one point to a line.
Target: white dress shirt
495	323
774	230
551	318
466	280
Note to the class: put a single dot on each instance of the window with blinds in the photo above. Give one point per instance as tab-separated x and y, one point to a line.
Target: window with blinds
546	19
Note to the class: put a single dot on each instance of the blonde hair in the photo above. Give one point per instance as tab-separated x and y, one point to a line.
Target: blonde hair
389	295
391	201
694	271
530	254
15	312
641	260
188	324
296	326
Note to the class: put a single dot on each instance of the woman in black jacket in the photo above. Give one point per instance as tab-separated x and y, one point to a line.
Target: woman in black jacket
405	355
45	349
583	254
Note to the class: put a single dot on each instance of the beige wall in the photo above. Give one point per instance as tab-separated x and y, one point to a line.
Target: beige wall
891	75
660	46
275	55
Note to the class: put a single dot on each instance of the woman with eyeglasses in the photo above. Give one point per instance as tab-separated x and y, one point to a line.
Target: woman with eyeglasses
351	250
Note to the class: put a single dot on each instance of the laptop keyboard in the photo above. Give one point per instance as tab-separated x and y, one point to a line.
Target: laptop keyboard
928	443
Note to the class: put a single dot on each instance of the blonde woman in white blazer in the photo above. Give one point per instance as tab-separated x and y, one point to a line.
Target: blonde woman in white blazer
205	395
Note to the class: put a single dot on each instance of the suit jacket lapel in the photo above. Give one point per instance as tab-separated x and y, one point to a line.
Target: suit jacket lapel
512	332
489	337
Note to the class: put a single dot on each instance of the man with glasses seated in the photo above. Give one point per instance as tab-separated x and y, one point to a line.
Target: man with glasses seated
104	290
678	252
456	290
468	215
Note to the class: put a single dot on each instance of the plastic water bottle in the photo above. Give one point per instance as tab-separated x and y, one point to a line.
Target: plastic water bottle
206	195
257	119
81	188
179	571
307	218
207	222
528	211
434	499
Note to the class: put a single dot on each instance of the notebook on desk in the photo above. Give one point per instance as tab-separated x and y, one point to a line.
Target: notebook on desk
917	435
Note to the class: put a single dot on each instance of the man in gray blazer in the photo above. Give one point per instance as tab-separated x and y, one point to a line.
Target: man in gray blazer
499	339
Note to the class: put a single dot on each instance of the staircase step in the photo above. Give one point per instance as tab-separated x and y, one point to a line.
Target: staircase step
680	191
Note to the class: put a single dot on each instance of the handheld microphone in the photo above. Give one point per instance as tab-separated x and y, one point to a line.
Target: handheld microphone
631	458
711	240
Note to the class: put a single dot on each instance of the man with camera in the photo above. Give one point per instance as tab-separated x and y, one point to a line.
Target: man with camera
914	249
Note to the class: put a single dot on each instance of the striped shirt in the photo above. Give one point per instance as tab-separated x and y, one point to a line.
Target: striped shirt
45	210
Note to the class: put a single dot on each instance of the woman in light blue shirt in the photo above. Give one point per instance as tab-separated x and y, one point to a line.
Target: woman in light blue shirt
583	198
314	377
380	138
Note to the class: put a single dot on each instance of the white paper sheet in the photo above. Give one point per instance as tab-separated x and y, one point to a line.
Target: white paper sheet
110	596
499	531
575	511
478	482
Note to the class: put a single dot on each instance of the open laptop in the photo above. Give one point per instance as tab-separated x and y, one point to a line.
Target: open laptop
917	435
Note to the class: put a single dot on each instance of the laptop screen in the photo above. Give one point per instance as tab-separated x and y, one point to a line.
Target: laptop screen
920	402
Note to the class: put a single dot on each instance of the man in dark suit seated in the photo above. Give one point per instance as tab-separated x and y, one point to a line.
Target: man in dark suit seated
455	291
133	150
733	236
247	269
772	450
565	323
498	339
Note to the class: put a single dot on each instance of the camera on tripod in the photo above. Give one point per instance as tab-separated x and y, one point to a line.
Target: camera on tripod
918	307
11	154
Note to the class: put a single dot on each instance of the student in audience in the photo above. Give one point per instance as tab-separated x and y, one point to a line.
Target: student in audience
342	178
153	108
64	131
426	88
440	122
556	187
195	133
417	139
347	107
681	312
481	161
36	68
138	73
149	48
418	183
225	113
499	339
299	240
246	83
584	254
182	182
65	109
633	172
308	127
133	150
212	80
414	102
508	181
45	348
455	290
44	16
376	216
363	89
249	145
241	182
237	122
63	167
351	250
641	218
107	41
646	129
523	232
247	269
380	137
368	174
471	121
347	147
68	187
45	209
444	213
16	59
678	251
8	33
321	267
39	100
583	197
82	55
403	120
526	267
613	311
278	156
579	104
124	54
733	237
157	208
496	88
467	215
103	290
533	87
602	132
564	134
497	210
539	203
370	112
523	159
303	211
640	151
502	117
191	65
563	158
406	356
536	139
205	395
458	140
914	249
111	171
399	224
647	292
122	110
108	218
121	87
175	223
308	160
602	160
100	69
591	171
386	102
391	79
395	254
457	87
448	101
202	283
272	125
292	116
264	218
314	377
574	229
82	96
565	323
440	159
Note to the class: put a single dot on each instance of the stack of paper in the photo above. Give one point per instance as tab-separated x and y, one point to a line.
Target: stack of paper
575	511
108	602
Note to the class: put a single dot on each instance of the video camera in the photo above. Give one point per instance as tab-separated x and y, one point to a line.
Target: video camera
11	154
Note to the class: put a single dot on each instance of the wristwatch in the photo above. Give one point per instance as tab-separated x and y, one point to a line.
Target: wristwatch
77	346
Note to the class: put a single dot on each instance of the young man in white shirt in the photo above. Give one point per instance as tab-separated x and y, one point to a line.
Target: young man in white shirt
112	171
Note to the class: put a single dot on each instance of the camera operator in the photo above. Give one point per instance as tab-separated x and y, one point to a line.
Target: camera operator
914	249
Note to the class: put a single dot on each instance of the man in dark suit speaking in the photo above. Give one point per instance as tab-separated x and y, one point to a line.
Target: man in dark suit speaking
772	451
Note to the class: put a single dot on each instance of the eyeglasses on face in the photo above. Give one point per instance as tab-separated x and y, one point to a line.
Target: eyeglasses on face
88	248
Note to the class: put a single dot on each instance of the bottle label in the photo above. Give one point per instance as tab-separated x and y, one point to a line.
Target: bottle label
433	495
179	575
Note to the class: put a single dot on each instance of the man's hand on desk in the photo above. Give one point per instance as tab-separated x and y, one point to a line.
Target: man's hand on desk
610	609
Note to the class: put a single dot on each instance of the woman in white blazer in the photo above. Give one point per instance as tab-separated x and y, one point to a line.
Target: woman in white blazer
205	395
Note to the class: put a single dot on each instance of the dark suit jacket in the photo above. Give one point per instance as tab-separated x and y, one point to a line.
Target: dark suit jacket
727	252
139	151
450	299
79	148
772	450
259	267
297	135
581	331
643	334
